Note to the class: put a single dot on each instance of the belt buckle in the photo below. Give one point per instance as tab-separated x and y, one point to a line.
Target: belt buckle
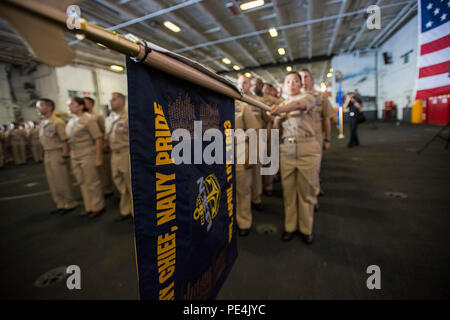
291	140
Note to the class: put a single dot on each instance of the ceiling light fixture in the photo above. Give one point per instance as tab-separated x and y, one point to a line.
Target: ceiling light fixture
281	51
116	68
237	68
251	5
273	32
226	60
288	68
172	26
248	74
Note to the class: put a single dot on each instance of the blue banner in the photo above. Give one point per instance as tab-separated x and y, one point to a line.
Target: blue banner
184	213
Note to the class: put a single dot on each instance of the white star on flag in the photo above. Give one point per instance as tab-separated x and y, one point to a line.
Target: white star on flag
436	11
430	6
429	24
443	17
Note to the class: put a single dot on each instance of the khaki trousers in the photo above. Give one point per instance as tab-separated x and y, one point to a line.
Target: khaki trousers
105	174
320	141
19	153
257	185
59	180
36	151
120	169
87	176
299	175
243	196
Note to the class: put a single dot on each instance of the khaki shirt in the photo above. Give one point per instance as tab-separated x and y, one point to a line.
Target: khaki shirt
116	126
264	117
18	136
300	123
52	133
100	120
244	119
34	135
323	110
82	133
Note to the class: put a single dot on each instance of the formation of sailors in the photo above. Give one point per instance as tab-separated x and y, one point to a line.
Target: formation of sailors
303	116
18	142
97	150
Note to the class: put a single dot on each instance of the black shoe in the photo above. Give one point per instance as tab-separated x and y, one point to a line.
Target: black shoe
65	211
316	207
321	193
95	214
56	211
257	206
287	236
244	232
308	239
122	218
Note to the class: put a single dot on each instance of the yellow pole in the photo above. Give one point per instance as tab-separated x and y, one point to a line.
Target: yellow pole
417	111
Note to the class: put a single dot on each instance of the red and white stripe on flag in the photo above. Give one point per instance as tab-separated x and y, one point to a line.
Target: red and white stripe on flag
434	55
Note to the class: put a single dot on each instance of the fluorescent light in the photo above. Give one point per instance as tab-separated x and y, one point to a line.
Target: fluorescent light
116	68
288	68
100	45
226	60
251	4
273	32
248	74
237	68
172	26
329	75
281	51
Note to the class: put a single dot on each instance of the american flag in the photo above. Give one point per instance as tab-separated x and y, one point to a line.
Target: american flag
434	42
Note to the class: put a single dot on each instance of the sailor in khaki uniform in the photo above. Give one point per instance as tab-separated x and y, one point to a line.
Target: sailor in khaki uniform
86	149
52	136
323	113
116	126
269	98
18	141
2	142
299	158
244	119
105	169
263	121
7	154
35	145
